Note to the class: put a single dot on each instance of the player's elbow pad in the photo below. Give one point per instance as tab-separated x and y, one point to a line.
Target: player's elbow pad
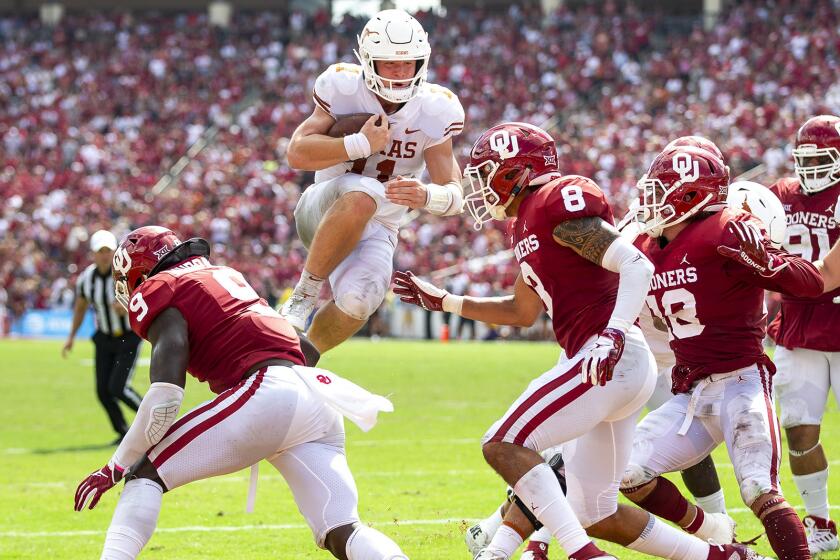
156	414
623	257
635	272
444	200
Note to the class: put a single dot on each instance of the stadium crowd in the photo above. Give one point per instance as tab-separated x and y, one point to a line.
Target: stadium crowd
95	110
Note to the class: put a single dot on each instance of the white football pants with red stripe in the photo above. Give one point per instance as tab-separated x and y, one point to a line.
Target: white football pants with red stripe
594	424
270	415
736	408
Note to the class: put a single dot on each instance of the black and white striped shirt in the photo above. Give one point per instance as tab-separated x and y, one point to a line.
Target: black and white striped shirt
98	290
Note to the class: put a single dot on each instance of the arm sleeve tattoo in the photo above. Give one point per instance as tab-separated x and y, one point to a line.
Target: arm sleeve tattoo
588	237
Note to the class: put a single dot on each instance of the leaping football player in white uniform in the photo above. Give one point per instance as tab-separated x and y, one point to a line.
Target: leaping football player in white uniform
365	182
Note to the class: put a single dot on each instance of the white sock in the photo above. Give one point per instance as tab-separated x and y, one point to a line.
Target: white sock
505	542
543	536
134	520
492	523
814	491
713	503
309	284
660	539
540	490
366	543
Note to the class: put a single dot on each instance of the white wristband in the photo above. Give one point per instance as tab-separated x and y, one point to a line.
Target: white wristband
438	199
357	146
453	304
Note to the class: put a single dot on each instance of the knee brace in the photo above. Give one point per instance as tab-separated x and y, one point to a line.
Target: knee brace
366	543
361	299
559	467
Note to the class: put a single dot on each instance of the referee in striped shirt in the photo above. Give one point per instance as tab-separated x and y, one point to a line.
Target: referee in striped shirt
117	347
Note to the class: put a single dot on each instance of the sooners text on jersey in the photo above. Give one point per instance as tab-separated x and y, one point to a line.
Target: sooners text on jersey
578	295
715	319
812	229
230	328
714	306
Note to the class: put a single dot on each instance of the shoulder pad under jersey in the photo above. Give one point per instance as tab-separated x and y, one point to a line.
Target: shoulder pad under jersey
441	114
337	88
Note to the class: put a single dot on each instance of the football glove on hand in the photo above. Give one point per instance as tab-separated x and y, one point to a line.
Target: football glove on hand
412	289
96	484
599	361
751	250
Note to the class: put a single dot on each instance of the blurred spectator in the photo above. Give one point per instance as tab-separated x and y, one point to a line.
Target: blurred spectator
93	112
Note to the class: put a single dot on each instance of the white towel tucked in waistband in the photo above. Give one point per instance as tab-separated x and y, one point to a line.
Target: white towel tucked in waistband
355	403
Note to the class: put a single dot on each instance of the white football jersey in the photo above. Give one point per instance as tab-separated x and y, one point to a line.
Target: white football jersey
430	118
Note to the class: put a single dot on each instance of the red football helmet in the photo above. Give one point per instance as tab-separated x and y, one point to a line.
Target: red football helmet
816	156
680	183
504	160
696	142
137	257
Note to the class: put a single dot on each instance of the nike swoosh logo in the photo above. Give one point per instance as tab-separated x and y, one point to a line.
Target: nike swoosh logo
407	131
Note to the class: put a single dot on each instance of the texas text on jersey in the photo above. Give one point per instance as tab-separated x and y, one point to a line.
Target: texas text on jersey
812	229
431	117
230	327
579	295
709	301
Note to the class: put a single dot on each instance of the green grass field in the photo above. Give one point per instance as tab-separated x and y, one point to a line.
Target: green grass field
420	473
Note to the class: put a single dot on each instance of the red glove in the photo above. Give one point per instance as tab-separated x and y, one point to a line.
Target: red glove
96	484
412	289
751	250
599	361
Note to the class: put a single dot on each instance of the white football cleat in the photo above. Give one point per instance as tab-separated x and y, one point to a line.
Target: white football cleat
477	539
822	534
297	309
717	528
487	555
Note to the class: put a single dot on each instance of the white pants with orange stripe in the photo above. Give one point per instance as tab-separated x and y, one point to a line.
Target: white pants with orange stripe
270	415
593	424
736	408
359	283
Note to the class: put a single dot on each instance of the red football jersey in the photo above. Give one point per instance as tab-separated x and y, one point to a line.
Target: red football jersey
812	229
230	328
578	294
714	306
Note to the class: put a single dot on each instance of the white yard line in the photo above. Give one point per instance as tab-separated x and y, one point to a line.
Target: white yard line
242	479
367	442
225	528
278	527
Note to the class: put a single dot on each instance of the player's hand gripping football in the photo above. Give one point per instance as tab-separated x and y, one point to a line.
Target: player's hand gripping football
378	132
97	483
599	361
412	289
751	250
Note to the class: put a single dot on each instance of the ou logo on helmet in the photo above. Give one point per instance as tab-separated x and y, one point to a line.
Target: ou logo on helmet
504	144
688	169
122	262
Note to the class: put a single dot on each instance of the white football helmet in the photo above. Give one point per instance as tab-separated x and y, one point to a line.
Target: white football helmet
393	35
760	201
